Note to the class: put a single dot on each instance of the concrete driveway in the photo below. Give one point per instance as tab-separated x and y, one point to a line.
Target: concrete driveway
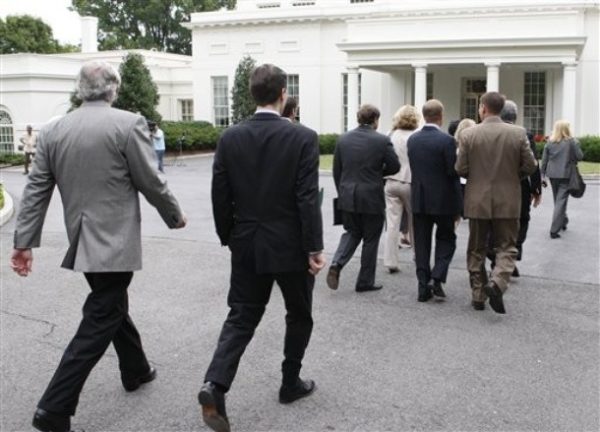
382	361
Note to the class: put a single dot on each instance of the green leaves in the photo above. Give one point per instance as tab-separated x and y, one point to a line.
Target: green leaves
146	24
138	92
242	103
26	34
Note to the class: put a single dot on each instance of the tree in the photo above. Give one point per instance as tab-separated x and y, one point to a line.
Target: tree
138	92
146	24
24	33
242	104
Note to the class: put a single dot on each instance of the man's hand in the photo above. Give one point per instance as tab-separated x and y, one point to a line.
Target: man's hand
21	261
536	200
182	222
316	262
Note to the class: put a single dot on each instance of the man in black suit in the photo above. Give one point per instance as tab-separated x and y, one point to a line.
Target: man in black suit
362	158
436	199
265	195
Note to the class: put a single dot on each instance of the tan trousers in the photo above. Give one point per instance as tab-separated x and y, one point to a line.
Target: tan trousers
505	233
397	199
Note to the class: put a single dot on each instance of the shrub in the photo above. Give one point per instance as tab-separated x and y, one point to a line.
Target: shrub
1	196
12	159
199	135
590	145
327	143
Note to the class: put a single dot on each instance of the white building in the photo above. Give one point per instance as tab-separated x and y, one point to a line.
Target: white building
35	88
543	54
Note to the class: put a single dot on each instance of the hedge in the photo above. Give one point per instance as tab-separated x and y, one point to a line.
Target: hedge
202	135
12	159
590	146
1	196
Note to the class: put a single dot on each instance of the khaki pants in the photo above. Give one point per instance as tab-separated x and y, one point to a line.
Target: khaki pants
397	199
504	245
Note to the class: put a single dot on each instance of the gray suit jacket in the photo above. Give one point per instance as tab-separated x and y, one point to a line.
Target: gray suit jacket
99	157
558	158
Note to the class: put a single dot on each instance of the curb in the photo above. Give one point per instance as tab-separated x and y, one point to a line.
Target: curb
8	209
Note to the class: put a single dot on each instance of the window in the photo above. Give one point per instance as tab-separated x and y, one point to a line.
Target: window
6	133
534	103
361	1
186	109
220	100
345	97
293	90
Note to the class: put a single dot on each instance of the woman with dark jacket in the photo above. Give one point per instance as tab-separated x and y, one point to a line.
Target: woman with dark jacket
561	154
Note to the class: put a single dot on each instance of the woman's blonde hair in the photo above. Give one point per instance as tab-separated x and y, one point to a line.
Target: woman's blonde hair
562	130
407	117
464	124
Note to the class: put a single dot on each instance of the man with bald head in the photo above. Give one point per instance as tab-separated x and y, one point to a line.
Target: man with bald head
493	156
436	200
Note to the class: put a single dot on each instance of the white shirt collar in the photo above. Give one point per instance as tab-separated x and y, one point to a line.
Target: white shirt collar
432	125
266	110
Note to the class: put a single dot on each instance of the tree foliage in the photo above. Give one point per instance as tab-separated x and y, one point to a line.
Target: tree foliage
242	104
146	24
138	92
27	34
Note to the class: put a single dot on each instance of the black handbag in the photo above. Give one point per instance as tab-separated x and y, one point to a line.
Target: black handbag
576	184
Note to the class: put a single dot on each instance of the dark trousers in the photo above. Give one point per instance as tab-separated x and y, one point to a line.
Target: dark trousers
105	320
560	193
445	245
360	227
248	296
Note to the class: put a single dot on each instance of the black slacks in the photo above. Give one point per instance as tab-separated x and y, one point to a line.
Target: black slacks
445	245
249	294
105	320
360	227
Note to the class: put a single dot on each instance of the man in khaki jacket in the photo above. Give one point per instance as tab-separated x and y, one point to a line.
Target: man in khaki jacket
493	156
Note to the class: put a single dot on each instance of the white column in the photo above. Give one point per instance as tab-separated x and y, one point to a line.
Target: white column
352	97
89	34
493	77
420	85
569	92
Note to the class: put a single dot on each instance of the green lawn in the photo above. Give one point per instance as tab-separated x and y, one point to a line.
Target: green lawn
585	168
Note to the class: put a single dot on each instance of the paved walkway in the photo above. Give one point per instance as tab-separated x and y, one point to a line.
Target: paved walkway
381	360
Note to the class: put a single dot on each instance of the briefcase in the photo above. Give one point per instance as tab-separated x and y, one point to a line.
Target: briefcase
337	214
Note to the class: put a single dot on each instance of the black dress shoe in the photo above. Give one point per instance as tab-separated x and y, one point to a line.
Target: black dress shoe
554	235
436	289
392	270
426	296
49	422
333	277
302	388
132	384
213	408
477	305
495	295
516	273
368	288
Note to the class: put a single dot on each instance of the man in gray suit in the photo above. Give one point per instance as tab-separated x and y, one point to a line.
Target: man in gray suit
100	158
362	159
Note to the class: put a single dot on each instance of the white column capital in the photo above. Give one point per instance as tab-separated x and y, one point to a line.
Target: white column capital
352	69
419	66
569	65
492	64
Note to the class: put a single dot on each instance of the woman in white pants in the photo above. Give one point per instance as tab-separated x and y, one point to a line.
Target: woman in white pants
397	186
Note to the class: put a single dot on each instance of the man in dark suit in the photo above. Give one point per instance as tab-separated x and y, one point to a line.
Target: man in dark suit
436	199
362	159
265	195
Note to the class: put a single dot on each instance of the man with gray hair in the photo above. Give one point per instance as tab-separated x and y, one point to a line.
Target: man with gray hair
531	190
100	158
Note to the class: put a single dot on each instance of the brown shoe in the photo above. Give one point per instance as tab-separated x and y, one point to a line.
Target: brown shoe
333	277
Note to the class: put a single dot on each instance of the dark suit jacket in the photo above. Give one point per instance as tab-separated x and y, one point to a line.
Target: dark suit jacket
531	185
435	186
265	193
362	158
